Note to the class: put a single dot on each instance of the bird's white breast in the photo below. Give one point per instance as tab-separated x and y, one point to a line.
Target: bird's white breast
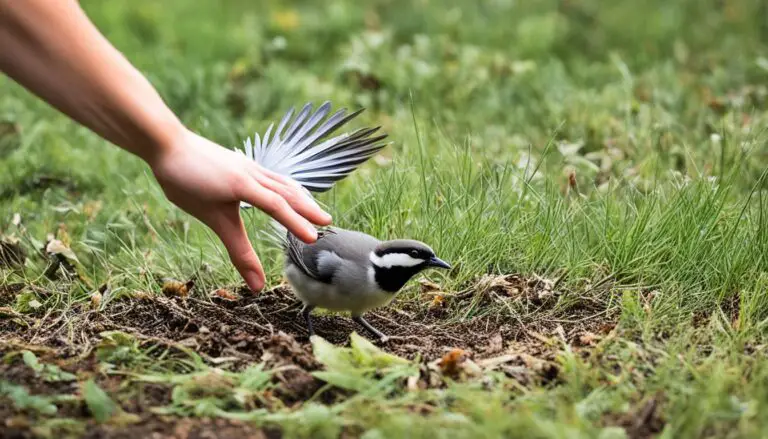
353	289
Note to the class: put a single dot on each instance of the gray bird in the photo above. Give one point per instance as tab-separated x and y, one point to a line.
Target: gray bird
344	270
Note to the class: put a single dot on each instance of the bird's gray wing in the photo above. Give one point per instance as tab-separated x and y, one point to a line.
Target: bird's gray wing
307	257
321	259
302	150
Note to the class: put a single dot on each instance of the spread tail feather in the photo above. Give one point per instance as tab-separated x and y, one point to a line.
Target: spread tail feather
302	150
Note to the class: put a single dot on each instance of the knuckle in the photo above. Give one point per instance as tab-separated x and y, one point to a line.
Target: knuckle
240	184
292	197
274	204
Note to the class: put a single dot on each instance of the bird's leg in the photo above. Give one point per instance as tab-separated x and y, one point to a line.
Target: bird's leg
366	325
305	312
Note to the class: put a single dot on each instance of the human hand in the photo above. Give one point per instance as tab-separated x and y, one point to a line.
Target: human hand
95	85
208	181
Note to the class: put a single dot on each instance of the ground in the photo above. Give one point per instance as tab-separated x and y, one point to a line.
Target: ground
594	173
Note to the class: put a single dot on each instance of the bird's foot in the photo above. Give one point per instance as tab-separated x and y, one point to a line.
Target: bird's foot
381	336
305	312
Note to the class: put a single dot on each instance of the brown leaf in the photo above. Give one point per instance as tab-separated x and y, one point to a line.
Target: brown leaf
174	288
457	365
225	294
449	364
437	302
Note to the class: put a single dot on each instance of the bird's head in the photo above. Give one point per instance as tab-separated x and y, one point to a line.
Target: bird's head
395	262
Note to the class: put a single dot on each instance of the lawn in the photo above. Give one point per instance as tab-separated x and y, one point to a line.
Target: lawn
594	171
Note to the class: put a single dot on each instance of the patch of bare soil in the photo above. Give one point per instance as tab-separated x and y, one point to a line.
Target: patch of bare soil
267	327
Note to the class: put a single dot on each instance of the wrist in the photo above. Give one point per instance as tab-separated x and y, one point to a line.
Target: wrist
166	136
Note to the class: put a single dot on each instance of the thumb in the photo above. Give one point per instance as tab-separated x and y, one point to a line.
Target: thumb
228	225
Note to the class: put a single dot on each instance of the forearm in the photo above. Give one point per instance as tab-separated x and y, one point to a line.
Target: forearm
51	48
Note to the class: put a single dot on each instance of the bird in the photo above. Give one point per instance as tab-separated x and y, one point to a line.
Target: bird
343	270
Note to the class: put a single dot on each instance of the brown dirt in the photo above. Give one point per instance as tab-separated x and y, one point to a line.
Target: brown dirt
266	327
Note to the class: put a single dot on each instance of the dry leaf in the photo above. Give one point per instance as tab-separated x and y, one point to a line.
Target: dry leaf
437	302
449	364
57	248
175	288
95	300
225	294
457	365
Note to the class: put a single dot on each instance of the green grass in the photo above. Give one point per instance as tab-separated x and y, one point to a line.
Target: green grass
657	109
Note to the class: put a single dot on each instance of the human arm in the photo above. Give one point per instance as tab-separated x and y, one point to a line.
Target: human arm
51	48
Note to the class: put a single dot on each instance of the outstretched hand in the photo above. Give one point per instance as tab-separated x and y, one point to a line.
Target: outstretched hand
209	181
94	84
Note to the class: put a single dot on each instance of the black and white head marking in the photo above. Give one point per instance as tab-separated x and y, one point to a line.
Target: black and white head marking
395	262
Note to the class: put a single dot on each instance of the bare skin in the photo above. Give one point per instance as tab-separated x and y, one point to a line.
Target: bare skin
51	48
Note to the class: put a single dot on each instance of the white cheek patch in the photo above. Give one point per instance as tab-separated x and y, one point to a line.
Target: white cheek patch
395	260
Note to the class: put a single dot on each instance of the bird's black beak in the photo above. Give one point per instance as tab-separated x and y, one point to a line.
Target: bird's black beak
434	261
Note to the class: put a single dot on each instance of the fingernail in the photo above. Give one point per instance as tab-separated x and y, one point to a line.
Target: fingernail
254	281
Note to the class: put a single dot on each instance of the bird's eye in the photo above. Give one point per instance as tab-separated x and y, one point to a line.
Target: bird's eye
415	253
